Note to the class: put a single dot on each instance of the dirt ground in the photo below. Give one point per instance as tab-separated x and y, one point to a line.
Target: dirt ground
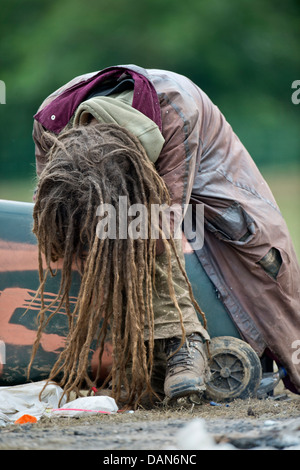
272	424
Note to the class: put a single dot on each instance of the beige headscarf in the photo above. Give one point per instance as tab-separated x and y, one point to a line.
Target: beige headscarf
117	109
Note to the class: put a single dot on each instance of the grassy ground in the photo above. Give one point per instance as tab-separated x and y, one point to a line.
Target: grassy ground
17	190
285	187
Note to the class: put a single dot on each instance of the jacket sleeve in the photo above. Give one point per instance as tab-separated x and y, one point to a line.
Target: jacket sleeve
182	122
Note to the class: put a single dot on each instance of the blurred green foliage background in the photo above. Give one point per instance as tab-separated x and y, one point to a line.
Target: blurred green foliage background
243	53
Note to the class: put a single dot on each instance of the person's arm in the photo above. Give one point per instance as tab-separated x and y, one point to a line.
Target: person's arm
182	123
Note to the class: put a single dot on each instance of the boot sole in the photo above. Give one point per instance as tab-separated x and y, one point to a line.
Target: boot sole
186	388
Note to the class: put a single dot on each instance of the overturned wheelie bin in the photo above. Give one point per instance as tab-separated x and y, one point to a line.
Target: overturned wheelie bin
235	367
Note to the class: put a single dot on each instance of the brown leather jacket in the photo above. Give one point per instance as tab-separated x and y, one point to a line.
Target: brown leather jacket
247	253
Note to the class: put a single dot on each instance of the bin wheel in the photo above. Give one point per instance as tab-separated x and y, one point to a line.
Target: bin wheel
235	369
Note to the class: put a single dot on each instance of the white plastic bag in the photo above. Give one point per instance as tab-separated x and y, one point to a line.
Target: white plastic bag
86	406
17	400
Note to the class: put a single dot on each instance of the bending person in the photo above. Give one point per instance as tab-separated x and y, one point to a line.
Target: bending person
155	137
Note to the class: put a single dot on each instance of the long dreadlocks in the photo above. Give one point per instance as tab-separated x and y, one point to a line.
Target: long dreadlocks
88	166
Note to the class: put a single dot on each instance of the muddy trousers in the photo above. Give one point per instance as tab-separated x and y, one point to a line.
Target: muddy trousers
166	315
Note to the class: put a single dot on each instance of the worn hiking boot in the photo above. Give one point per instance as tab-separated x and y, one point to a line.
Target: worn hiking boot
187	370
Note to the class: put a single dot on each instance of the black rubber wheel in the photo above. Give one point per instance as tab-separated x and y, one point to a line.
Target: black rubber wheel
235	369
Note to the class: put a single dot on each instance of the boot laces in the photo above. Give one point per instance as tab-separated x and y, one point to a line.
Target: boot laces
184	358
